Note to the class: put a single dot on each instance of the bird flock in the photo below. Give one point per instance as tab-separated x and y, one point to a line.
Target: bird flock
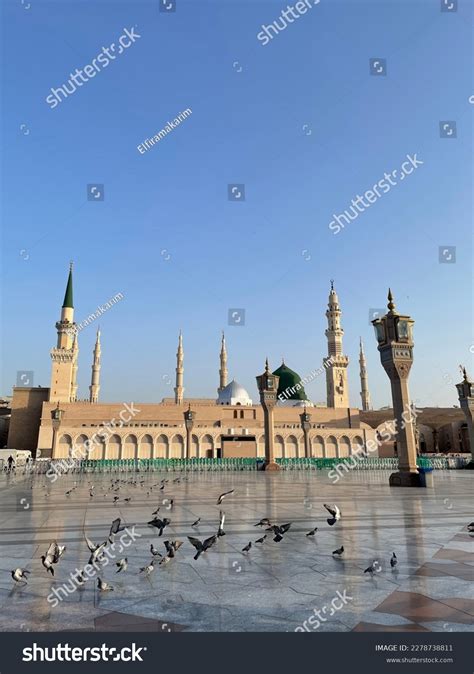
277	533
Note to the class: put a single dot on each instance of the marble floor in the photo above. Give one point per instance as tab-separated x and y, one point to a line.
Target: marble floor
274	587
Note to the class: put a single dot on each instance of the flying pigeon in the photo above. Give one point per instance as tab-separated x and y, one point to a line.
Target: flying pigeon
247	547
470	527
20	575
220	531
339	551
195	524
103	586
155	512
393	560
96	550
222	496
115	527
312	532
335	512
260	540
52	556
202	546
159	524
122	564
279	530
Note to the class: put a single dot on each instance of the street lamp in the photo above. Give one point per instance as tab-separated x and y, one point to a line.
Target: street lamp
394	334
466	402
306	425
56	416
189	423
268	387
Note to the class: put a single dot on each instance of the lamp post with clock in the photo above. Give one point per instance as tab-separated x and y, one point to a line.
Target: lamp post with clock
395	344
268	387
306	425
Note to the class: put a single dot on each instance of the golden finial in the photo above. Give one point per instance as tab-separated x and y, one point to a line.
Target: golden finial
391	304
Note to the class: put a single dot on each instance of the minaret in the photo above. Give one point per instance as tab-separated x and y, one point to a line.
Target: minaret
223	367
94	388
364	394
75	365
179	389
335	363
63	355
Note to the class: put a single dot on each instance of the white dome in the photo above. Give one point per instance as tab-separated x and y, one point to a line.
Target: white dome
234	394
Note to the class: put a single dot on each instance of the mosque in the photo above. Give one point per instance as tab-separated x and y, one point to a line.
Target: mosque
232	425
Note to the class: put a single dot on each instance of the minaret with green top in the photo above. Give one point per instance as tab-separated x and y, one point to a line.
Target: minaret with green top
64	355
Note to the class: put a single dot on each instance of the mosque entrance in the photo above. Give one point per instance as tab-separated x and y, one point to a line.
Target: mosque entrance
238	446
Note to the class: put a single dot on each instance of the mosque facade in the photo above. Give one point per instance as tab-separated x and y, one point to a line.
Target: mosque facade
232	424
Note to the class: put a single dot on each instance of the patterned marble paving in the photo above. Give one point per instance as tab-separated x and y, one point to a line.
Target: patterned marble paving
276	587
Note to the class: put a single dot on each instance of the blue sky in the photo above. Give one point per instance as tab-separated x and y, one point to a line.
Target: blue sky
301	123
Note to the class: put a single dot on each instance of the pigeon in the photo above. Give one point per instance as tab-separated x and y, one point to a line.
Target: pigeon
335	512
393	560
80	578
96	550
470	527
220	531
202	546
155	512
279	531
103	586
155	552
312	532
373	567
127	500
263	522
20	576
52	556
247	547
195	524
122	564
339	551
148	569
159	524
260	540
115	527
116	498
222	496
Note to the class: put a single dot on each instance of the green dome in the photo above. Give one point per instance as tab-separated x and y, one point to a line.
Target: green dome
289	386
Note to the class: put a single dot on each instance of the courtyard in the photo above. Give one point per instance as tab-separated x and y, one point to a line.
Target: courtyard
275	586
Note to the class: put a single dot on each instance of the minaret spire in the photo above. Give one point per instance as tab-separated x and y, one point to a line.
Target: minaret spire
179	389
223	365
94	388
335	363
364	383
63	385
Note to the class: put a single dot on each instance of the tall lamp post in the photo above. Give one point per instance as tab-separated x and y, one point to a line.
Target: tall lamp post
306	425
466	401
395	344
268	387
189	423
56	416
